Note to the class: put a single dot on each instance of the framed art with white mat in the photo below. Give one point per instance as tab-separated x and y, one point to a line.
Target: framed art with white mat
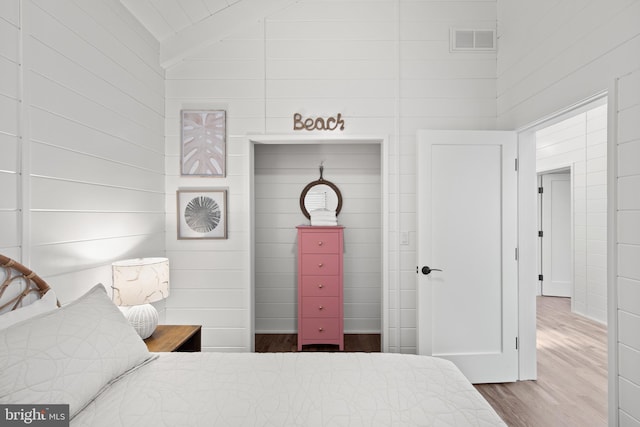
202	214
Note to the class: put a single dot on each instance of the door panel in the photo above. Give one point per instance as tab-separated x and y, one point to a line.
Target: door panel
556	241
467	313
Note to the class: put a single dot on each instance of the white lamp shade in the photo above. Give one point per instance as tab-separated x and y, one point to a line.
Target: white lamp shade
140	281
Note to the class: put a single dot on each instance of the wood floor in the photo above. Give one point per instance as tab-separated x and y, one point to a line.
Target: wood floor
268	343
571	389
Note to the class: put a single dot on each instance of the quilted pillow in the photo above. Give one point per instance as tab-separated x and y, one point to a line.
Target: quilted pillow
48	302
67	356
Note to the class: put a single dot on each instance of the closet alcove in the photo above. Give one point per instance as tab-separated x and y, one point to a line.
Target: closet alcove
280	173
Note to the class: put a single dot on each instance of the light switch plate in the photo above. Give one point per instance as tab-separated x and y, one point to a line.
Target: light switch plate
404	237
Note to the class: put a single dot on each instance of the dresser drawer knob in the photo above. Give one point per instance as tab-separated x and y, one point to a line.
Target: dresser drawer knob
320	286
320	243
320	307
320	265
320	329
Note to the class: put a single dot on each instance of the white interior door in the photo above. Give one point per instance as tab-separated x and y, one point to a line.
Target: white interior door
467	223
556	238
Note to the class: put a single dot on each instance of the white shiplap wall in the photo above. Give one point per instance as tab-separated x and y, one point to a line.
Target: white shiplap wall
209	281
436	90
92	141
385	65
554	54
581	143
10	96
628	248
281	173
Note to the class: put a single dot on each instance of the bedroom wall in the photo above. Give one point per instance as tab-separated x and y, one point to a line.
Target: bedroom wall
10	96
628	248
281	173
554	54
385	66
81	130
581	142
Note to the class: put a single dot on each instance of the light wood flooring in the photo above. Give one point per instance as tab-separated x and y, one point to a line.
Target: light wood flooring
571	389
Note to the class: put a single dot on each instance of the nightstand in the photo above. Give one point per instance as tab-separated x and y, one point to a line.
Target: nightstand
175	338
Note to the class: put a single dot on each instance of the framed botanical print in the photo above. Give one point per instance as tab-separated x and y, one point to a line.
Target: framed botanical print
202	214
203	147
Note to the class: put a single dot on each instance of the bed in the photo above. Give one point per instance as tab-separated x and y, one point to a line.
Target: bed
86	355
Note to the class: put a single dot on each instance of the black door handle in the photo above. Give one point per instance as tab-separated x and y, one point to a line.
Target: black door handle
427	270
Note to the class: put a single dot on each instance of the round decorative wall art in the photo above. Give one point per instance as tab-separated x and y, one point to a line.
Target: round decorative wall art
202	214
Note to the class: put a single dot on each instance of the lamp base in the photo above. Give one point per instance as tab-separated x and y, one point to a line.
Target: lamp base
143	318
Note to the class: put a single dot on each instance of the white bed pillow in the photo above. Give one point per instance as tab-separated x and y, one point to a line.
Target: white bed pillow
48	302
68	355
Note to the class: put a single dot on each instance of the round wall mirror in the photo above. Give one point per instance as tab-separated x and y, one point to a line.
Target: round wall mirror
320	194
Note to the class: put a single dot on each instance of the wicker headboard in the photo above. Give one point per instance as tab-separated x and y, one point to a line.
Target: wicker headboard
17	284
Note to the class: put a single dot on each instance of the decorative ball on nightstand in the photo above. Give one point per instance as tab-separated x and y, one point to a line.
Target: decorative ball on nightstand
143	318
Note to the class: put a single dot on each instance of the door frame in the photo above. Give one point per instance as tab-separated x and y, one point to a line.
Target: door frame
288	139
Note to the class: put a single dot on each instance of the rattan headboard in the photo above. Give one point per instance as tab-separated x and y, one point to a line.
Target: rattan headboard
18	282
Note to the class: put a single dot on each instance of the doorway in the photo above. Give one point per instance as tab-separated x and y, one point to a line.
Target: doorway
576	141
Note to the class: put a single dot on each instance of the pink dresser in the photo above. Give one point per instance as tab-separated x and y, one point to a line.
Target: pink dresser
320	316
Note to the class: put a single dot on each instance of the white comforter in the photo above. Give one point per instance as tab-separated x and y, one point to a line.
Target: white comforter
290	389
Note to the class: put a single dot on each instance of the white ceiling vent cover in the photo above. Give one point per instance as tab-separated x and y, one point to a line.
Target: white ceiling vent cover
473	40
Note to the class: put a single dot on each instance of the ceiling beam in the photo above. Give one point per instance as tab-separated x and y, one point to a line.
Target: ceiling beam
217	27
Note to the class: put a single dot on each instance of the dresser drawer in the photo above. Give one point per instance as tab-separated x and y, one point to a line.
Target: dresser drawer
318	286
320	264
320	329
320	243
320	307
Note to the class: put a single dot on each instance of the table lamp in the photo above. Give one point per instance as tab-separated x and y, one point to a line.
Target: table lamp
136	284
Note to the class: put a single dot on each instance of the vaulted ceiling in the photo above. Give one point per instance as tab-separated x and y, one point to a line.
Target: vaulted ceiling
165	18
184	26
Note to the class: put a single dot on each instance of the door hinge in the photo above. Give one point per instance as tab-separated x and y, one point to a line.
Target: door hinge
516	164
540	233
516	343
540	190
540	277
516	254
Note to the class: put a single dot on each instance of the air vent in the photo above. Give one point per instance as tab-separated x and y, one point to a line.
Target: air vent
473	40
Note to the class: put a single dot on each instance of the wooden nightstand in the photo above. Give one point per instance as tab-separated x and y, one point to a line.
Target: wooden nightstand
175	338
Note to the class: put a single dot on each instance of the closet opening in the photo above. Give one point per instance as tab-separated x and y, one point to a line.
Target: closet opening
280	168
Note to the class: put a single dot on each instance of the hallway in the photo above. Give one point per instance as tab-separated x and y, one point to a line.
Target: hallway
571	389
